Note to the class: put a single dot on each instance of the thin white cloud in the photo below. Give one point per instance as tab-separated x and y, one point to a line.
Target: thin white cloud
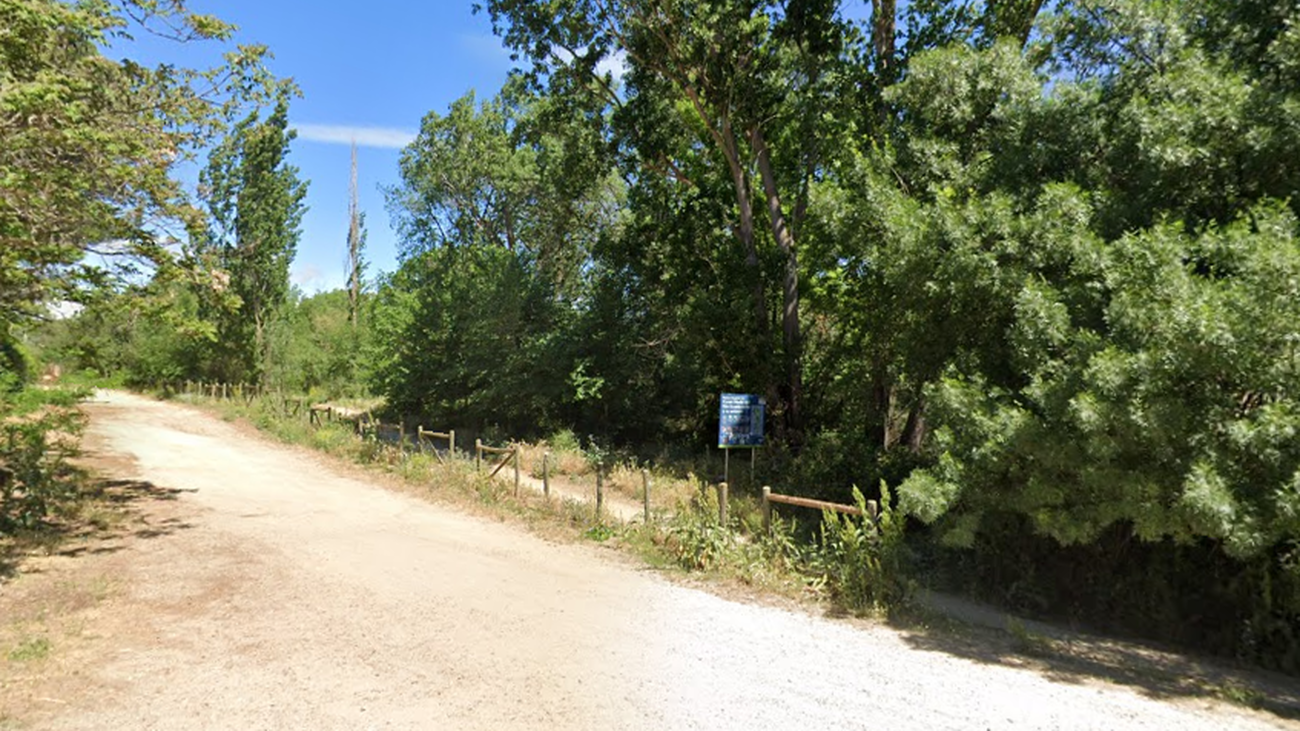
314	279
487	48
341	134
307	274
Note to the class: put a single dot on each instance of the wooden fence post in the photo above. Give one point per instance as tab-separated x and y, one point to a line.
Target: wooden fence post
451	444
546	474
478	455
873	511
516	460
600	491
722	503
767	509
645	492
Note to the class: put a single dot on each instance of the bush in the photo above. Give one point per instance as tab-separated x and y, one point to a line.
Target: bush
39	432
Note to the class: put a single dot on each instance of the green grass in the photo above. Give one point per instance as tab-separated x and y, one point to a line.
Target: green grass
1242	696
30	650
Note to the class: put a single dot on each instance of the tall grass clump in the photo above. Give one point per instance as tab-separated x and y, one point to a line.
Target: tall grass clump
863	564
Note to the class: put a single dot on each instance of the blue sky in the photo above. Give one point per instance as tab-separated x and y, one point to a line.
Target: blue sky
367	70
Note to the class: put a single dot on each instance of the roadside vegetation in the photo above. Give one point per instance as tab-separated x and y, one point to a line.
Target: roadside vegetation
1025	272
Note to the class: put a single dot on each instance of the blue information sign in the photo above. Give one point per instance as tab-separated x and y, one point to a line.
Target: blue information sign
740	420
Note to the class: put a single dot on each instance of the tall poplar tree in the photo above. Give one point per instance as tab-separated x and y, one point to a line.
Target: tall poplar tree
254	199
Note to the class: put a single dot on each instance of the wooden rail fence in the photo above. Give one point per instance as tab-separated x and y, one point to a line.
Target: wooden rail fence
318	414
425	437
769	497
508	454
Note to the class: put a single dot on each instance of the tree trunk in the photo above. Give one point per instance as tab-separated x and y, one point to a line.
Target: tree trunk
790	327
745	229
1015	18
884	394
884	17
255	368
914	432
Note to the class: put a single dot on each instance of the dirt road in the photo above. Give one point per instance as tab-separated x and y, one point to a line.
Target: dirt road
275	592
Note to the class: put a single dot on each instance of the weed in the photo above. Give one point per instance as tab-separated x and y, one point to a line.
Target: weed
862	562
39	433
31	649
576	512
1241	695
599	532
696	540
566	456
417	467
1027	642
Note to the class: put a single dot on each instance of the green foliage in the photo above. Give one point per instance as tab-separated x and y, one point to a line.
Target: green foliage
696	540
474	328
863	564
15	365
465	336
255	202
30	649
39	433
90	143
1172	411
313	347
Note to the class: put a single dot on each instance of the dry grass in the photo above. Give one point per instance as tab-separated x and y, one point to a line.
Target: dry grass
567	461
667	490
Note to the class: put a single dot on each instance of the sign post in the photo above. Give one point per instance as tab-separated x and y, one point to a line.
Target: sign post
740	426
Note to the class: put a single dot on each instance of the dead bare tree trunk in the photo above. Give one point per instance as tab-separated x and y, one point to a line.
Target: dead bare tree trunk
354	243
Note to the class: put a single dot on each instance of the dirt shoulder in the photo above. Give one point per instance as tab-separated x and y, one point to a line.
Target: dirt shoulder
254	586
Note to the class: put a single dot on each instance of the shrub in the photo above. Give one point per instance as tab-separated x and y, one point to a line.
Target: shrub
39	432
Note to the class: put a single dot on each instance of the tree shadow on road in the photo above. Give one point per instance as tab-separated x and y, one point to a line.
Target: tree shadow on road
1064	656
105	514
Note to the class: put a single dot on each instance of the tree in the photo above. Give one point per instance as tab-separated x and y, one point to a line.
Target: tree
90	143
735	79
468	336
314	347
497	227
466	180
254	199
